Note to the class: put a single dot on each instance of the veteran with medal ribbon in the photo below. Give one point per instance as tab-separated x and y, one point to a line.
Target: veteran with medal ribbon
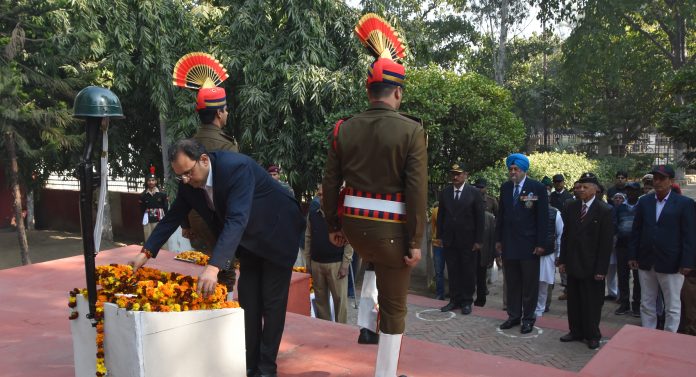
521	231
381	155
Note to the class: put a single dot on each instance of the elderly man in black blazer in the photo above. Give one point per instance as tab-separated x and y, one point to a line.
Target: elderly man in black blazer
460	223
586	246
662	247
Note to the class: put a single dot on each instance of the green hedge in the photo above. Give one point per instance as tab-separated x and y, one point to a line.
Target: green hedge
571	165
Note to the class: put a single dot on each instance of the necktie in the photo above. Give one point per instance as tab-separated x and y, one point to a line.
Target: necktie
583	212
456	194
516	194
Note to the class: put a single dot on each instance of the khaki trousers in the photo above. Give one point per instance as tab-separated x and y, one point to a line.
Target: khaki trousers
325	280
384	245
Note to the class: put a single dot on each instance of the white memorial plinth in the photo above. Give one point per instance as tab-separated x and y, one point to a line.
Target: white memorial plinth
158	344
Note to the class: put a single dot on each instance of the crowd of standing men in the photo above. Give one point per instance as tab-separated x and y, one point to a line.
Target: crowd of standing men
646	233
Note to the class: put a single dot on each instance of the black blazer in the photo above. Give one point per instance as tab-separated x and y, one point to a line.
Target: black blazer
252	211
586	246
460	223
667	244
522	226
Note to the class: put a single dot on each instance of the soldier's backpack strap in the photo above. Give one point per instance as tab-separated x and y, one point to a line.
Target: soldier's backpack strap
337	126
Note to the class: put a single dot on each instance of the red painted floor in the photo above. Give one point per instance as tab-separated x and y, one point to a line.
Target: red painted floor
36	339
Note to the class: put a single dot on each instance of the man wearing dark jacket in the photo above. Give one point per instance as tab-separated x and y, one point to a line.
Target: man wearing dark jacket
253	218
662	247
521	235
586	246
560	195
460	223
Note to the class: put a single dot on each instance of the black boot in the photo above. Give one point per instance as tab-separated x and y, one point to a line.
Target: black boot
368	337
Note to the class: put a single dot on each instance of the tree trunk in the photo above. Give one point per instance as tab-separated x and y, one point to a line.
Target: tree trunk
14	182
30	210
165	149
500	63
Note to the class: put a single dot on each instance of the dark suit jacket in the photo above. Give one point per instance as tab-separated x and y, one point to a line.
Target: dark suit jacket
252	211
518	227
460	223
558	201
586	246
667	244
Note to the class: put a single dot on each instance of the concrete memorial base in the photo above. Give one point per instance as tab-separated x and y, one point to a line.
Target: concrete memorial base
157	344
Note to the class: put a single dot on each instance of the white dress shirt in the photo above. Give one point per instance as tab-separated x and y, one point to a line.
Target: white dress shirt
660	205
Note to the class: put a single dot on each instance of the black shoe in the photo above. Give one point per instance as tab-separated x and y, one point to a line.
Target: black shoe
635	313
569	337
527	327
450	306
480	303
368	336
466	309
510	323
546	309
593	344
623	309
609	298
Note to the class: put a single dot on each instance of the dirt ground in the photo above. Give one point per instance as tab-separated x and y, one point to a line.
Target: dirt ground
44	245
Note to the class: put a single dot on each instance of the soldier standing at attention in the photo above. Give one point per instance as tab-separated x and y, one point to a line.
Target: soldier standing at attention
211	106
381	156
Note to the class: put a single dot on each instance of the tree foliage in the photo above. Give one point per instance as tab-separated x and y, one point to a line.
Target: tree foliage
469	112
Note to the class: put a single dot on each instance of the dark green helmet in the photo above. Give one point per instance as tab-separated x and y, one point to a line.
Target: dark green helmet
96	102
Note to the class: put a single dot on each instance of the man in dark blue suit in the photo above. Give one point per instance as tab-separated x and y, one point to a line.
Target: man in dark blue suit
520	237
254	217
662	246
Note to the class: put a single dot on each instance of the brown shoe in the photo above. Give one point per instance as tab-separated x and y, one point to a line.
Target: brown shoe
563	297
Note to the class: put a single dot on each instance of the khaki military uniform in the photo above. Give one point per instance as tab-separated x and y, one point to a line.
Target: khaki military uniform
213	139
381	152
491	204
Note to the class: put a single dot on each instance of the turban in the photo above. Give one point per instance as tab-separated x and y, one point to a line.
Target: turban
519	160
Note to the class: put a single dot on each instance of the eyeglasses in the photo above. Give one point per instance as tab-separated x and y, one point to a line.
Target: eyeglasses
187	175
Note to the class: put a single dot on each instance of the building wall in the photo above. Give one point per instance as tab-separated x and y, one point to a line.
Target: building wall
60	210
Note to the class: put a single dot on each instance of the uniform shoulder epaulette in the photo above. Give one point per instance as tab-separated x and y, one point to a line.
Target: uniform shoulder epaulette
336	129
413	118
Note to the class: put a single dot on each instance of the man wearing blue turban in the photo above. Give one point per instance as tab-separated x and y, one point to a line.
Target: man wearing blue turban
521	232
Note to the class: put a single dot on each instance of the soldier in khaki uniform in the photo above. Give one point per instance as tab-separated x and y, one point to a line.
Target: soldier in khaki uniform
211	106
381	156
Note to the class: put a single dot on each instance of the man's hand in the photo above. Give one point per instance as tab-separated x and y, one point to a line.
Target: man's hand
476	247
412	260
188	233
633	264
685	270
599	277
207	281
561	268
539	251
499	247
138	261
343	271
337	238
499	261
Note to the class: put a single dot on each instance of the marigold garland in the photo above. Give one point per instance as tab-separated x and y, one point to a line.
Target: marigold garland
304	271
149	290
193	256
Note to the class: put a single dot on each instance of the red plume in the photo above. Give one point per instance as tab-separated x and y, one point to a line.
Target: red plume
379	37
198	70
152	169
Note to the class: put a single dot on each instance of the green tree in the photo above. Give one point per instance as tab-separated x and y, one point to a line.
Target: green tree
471	121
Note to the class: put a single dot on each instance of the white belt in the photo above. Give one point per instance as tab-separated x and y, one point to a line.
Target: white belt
375	204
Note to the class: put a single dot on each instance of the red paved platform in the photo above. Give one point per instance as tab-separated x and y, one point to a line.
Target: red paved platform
36	338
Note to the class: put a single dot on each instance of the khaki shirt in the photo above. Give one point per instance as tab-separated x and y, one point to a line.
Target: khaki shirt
380	151
214	139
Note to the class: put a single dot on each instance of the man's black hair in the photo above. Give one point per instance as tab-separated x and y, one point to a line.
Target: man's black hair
380	90
190	147
207	116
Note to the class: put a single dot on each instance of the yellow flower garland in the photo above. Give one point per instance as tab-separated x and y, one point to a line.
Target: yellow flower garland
149	290
193	256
